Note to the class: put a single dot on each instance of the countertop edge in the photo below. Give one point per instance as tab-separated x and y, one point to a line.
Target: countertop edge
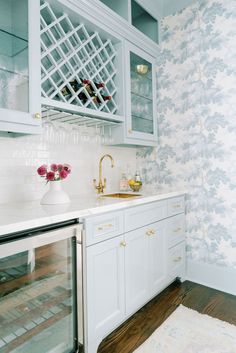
84	213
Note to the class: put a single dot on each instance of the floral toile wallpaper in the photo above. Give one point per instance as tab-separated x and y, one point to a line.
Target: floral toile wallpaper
197	125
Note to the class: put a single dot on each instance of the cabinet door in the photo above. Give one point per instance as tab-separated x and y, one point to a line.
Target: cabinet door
176	261
20	66
136	269
105	287
141	121
157	257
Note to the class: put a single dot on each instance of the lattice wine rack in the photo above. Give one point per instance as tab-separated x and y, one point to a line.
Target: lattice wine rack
78	65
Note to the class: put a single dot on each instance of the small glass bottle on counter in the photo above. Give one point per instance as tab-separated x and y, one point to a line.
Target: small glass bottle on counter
137	176
124	182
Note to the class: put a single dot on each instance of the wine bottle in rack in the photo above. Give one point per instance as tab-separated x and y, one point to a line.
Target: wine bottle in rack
89	85
74	86
97	100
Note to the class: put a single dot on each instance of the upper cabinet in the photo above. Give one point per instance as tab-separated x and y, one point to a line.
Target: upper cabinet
137	15
90	67
140	127
81	64
144	21
20	104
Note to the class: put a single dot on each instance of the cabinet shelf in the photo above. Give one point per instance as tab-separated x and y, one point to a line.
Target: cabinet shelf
141	117
11	44
11	72
141	96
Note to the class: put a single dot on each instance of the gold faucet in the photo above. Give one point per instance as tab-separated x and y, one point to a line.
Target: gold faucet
102	184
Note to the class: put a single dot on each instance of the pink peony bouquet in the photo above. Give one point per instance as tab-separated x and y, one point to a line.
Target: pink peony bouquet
55	172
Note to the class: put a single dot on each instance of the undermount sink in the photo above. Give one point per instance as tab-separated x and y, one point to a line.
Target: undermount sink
121	195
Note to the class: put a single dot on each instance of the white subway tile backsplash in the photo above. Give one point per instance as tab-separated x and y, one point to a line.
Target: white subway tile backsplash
20	157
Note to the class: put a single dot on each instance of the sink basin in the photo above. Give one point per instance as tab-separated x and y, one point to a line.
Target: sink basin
121	195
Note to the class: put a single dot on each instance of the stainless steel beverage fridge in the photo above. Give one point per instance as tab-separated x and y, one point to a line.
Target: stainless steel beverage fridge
40	307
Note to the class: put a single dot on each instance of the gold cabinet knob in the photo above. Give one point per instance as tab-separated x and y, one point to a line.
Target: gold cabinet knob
130	131
150	232
123	243
37	116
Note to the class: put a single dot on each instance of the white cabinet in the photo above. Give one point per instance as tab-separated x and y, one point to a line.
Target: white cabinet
136	270
140	126
20	66
176	261
145	264
157	253
89	68
105	287
136	14
131	256
82	69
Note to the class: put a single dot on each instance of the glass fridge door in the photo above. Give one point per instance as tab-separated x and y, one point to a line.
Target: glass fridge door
38	311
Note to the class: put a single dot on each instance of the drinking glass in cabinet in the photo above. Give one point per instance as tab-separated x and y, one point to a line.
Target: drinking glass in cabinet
14	75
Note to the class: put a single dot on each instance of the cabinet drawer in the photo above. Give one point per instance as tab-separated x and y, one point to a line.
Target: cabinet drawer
176	229
140	216
175	205
176	261
104	227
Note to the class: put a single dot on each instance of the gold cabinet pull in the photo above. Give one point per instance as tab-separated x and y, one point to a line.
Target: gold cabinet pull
105	226
123	243
177	259
177	206
37	116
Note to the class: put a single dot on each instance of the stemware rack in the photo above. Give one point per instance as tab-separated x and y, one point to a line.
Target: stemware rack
54	115
70	53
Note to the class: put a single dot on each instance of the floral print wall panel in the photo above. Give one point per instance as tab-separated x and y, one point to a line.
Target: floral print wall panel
197	125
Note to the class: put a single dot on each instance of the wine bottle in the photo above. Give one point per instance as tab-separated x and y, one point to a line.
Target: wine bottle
89	86
97	100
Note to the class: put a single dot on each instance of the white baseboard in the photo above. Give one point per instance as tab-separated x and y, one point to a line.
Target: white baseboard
220	278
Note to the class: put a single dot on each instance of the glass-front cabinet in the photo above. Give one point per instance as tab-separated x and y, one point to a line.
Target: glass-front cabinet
141	116
20	66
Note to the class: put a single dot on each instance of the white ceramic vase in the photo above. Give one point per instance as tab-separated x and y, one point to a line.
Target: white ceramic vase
55	195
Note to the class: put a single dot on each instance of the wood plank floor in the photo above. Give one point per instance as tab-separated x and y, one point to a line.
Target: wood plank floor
141	325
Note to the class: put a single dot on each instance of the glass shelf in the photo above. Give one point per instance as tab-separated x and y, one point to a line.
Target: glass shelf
141	124
141	117
11	44
141	96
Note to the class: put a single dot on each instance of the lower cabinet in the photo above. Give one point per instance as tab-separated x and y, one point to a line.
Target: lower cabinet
105	287
123	273
145	264
176	261
128	262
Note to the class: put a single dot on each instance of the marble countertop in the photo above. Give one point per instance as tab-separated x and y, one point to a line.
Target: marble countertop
22	216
